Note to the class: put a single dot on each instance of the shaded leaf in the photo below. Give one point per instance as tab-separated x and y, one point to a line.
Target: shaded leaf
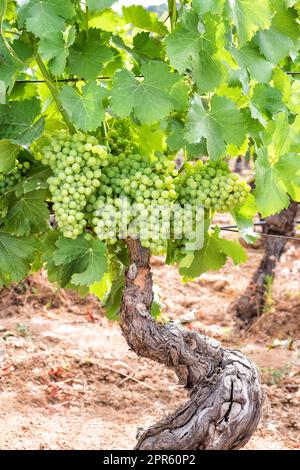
85	110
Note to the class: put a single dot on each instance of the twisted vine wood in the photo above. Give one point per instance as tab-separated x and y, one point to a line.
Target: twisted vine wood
225	401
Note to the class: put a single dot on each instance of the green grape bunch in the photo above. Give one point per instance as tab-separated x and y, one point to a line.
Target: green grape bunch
9	180
213	186
76	161
146	183
89	187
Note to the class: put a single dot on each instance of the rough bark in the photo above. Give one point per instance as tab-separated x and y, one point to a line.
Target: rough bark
252	302
225	401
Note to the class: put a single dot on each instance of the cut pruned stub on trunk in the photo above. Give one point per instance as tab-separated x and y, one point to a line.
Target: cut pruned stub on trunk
225	401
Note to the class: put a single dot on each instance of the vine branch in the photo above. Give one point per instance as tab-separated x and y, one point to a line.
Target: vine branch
54	92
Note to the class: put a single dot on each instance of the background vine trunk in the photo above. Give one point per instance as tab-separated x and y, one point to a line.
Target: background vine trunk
252	302
225	401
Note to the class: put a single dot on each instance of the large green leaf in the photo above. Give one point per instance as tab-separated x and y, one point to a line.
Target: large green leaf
212	256
107	20
190	47
279	40
147	46
8	154
143	19
99	5
258	67
150	100
15	56
16	256
88	55
266	101
220	125
18	121
288	167
83	259
27	214
248	17
45	17
274	182
205	6
281	137
232	249
54	49
177	141
35	179
10	66
85	110
150	139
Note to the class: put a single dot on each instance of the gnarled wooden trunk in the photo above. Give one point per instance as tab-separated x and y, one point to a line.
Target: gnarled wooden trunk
252	302
225	393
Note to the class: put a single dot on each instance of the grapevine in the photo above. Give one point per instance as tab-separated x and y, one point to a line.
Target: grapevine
96	108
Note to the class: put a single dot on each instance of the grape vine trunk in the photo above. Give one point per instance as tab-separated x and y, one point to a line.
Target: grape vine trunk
225	393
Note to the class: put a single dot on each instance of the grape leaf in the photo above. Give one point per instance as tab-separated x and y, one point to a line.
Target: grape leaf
204	6
85	110
110	289
114	298
209	258
283	83
150	139
150	100
274	182
88	55
258	67
83	259
24	51
14	58
35	179
8	154
192	48
147	46
266	101
101	288
16	256
143	19
27	214
289	170
243	217
279	40
232	249
281	137
9	65
107	20
54	49
18	121
222	124
176	140
99	5
212	256
45	17
249	16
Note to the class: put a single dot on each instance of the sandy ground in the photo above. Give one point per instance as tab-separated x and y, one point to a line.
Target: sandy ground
68	380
